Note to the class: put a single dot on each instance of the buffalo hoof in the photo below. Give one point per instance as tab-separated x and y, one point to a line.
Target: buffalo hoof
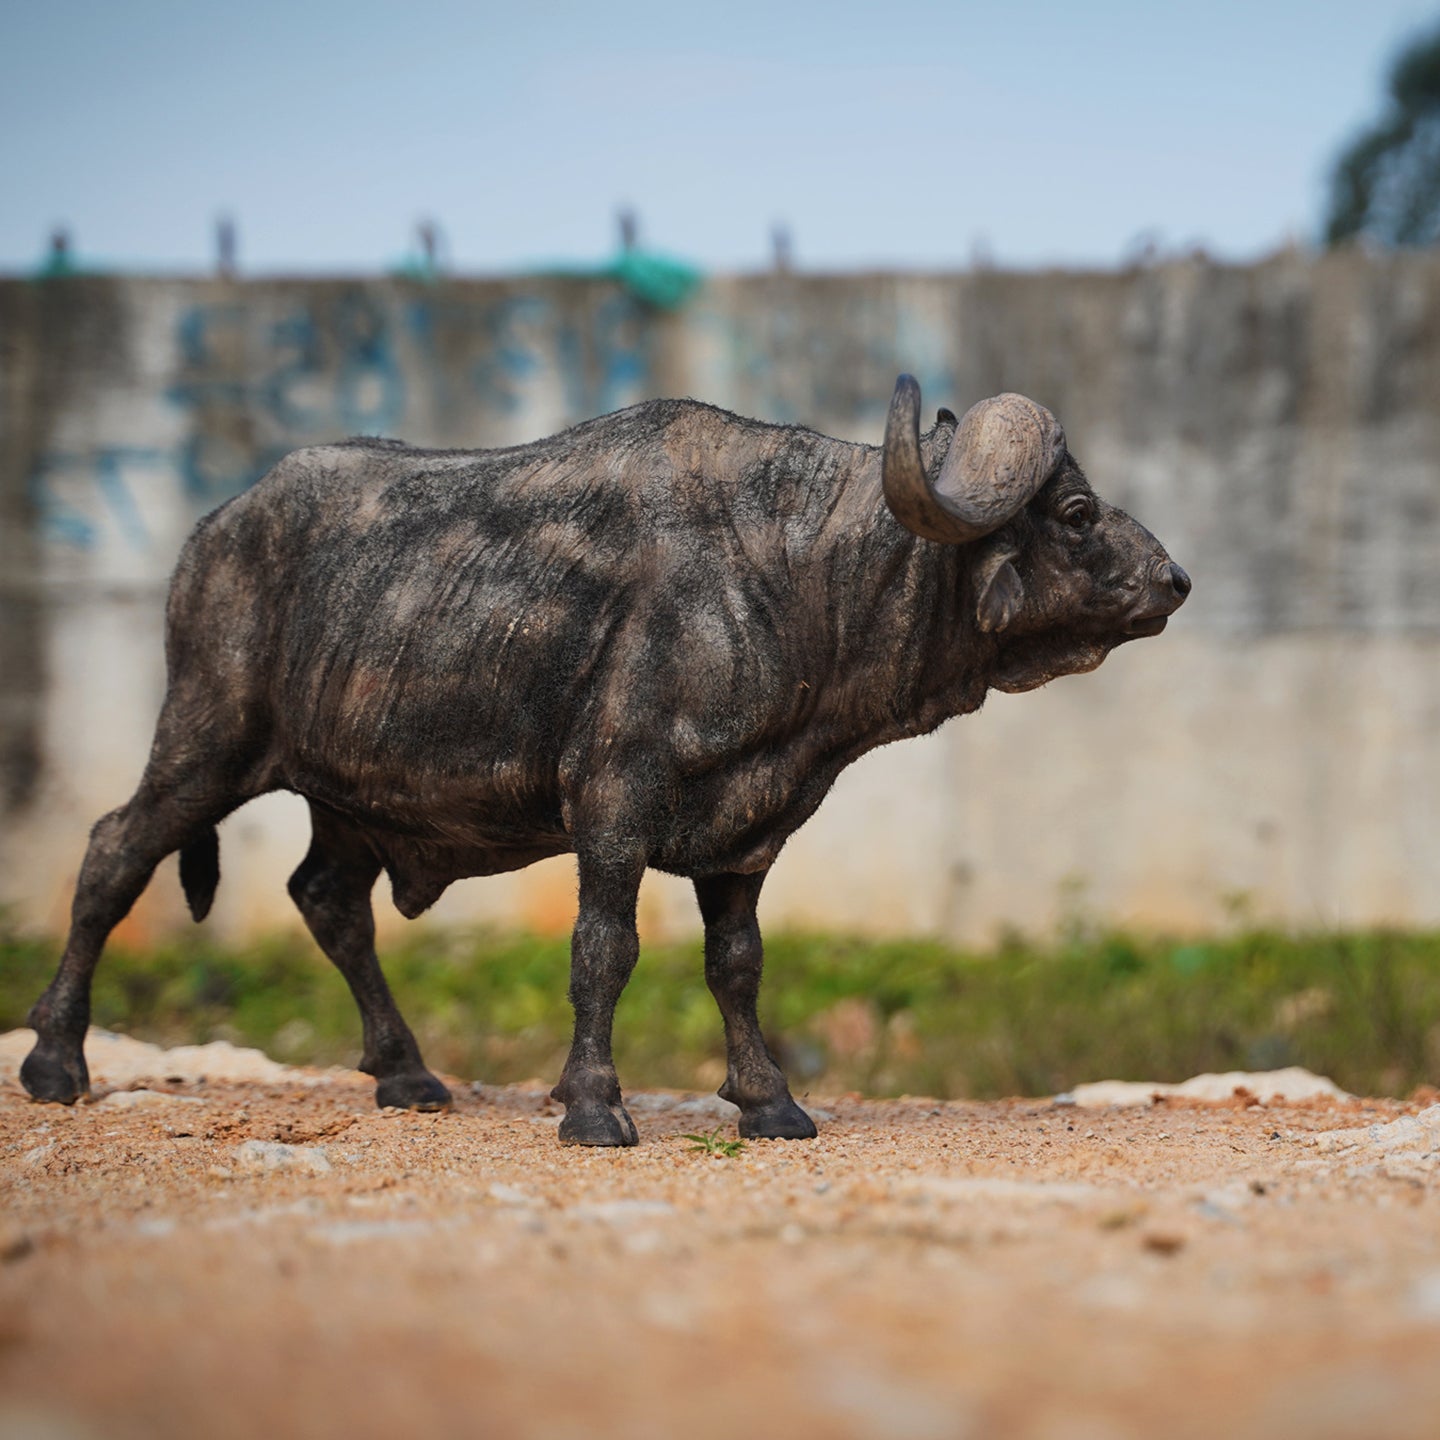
420	1091
49	1075
590	1123
784	1120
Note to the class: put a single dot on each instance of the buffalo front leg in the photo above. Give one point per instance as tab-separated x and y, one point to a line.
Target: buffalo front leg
332	890
603	951
733	961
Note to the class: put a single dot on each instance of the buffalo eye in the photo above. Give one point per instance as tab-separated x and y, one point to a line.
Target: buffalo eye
1078	511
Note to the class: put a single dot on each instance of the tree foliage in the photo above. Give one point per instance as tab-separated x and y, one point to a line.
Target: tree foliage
1386	184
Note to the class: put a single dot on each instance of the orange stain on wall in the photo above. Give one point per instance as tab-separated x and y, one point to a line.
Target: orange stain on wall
549	897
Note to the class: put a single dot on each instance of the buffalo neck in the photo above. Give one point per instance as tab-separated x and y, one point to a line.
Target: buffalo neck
886	616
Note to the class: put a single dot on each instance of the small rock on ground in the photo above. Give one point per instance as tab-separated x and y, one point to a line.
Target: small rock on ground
271	1155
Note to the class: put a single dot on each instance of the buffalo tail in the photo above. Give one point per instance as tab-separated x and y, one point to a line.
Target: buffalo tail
200	872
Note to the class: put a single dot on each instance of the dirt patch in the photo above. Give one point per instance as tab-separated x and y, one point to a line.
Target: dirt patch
235	1256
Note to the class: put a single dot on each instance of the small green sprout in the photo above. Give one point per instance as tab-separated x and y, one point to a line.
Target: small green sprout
712	1144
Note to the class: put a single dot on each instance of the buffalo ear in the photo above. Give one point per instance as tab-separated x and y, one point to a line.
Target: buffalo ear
999	591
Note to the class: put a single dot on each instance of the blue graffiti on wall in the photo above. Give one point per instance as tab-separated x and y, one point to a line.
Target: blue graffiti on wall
253	385
309	378
789	365
363	391
255	381
514	329
107	471
529	343
313	381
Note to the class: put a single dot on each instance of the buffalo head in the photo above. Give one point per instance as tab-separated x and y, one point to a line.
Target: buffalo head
1059	577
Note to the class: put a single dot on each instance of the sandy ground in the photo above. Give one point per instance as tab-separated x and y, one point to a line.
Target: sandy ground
261	1252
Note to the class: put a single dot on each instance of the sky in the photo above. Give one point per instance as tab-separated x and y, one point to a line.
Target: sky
916	136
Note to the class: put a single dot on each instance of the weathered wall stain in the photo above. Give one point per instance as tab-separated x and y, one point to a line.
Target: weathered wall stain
1278	425
50	339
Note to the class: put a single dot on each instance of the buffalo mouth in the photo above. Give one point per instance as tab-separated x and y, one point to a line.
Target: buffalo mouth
1145	625
1169	587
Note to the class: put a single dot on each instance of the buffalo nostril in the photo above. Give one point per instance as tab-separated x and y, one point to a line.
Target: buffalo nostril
1180	580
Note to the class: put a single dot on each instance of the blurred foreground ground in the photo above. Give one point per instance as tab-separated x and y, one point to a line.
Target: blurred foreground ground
236	1256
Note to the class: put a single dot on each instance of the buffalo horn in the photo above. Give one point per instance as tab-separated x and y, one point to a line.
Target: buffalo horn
1004	450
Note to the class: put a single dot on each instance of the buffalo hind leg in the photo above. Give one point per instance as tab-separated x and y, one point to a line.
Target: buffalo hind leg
125	847
733	960
603	951
332	890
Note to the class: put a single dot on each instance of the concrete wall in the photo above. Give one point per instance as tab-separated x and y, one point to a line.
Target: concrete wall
1276	752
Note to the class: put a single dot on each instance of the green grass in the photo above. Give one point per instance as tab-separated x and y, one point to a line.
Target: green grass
882	1017
712	1144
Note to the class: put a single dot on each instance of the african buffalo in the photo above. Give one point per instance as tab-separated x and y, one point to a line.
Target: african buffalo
652	640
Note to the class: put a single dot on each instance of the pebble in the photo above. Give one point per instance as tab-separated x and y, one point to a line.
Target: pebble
673	1310
1224	1202
1209	1210
987	1187
1425	1296
709	1105
1292	1083
1112	1290
1417	1136
650	1102
264	1215
15	1244
509	1194
621	1212
1163	1242
143	1099
268	1155
119	1060
873	1402
349	1232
